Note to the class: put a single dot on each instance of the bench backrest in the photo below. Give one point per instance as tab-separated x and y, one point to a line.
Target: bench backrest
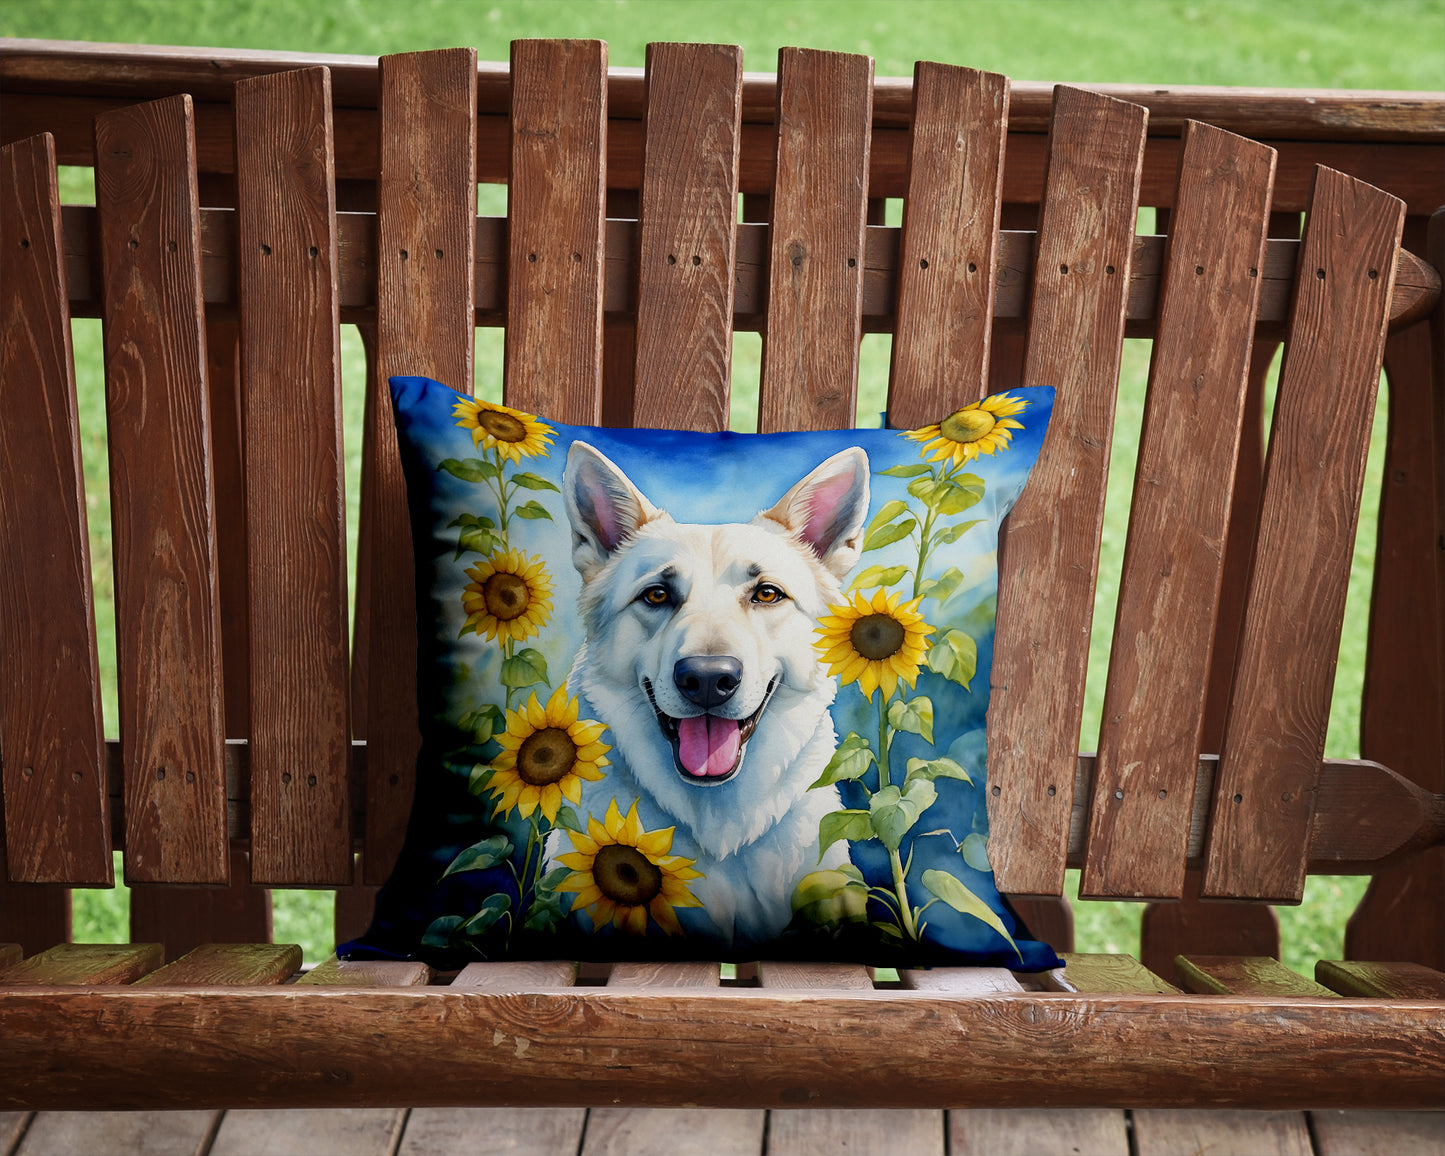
242	694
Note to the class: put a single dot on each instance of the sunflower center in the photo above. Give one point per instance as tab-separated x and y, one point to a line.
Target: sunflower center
877	637
967	425
502	426
505	595
545	756
625	875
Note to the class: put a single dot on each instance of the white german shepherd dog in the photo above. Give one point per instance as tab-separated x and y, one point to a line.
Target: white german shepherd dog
699	657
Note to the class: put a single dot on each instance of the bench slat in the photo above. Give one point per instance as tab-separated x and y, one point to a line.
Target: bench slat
34	915
335	972
425	255
1046	588
231	964
1384	980
1279	709
948	259
1242	975
792	976
960	980
168	645
81	964
1093	972
517	975
56	819
300	756
183	918
555	207
664	975
816	260
687	236
1159	662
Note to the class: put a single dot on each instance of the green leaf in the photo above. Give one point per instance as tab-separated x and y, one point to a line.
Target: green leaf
481	723
567	819
889	511
842	825
887	535
525	668
470	470
914	716
479	856
553	879
532	510
850	761
534	482
955	656
877	576
904	471
955	532
933	769
974	850
962	900
832	896
471	520
481	775
942	586
440	931
893	812
492	909
946	495
477	539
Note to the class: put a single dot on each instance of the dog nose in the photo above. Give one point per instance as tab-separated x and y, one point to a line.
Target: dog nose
708	680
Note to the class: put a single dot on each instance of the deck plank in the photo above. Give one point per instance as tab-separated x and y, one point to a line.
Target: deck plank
858	1132
117	1133
1031	1131
513	1131
1172	1131
315	1131
674	1132
1345	1133
12	1127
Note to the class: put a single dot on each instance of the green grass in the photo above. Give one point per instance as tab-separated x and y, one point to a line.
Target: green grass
1308	43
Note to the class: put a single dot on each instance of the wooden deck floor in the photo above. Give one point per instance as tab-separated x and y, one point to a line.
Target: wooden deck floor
700	1132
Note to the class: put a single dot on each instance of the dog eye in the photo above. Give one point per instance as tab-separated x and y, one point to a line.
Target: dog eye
656	595
768	593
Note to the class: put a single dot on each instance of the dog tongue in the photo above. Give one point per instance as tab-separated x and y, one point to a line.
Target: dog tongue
707	745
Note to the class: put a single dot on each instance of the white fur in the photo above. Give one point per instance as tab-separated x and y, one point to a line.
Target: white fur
756	834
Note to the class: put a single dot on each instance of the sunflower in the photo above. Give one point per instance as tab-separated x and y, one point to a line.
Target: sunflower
509	597
873	643
510	432
981	428
624	874
546	753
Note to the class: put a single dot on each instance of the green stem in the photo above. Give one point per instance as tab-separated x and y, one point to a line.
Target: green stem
883	740
923	544
900	888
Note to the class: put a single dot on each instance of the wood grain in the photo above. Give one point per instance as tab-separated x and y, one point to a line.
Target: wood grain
1032	1131
687	236
789	976
555	206
517	975
947	267
10	953
335	972
1344	1133
709	1048
1193	925
426	217
168	633
71	964
868	1133
228	963
56	817
119	1133
1384	980
1172	1131
664	975
960	980
1046	590
33	915
295	501
514	1131
1242	975
342	1131
1275	732
816	259
1096	972
674	1132
183	918
1154	699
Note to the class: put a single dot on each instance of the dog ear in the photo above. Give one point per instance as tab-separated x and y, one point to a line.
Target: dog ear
827	508
604	507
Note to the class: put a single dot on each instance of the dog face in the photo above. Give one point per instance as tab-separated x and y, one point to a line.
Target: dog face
699	651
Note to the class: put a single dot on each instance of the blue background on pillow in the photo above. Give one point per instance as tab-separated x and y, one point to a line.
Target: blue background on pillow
695	477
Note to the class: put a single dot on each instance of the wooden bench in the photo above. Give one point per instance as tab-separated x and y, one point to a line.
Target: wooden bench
242	214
